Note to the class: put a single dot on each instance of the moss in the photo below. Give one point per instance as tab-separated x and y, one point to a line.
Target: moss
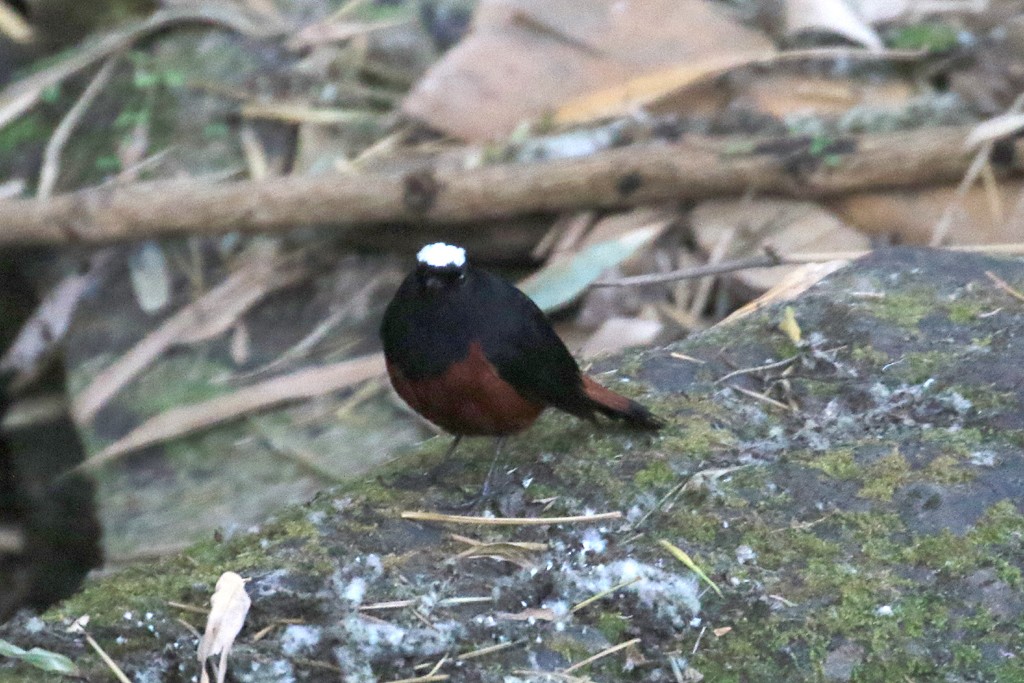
869	356
905	309
947	469
875	533
567	646
655	476
838	463
612	626
884	476
696	526
959	443
778	548
942	551
964	312
148	587
696	438
982	342
1002	524
919	366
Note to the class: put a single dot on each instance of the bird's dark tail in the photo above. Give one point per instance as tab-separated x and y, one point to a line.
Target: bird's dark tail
619	407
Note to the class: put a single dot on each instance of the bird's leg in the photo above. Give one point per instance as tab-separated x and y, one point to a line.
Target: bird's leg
451	449
441	469
485	491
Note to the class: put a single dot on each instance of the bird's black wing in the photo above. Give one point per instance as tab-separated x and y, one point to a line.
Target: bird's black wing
522	346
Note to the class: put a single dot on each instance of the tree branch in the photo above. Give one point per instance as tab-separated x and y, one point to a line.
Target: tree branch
628	176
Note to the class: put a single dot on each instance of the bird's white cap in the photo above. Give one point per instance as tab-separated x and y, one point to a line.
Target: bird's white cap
441	255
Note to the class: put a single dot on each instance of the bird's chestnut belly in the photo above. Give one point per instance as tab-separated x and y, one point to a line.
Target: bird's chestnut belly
469	398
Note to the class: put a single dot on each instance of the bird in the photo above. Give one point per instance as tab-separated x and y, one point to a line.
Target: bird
475	356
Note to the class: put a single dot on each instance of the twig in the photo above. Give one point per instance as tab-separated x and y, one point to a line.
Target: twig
771	260
551	676
594	598
507	521
62	133
745	371
13	26
79	627
190	628
185	607
445	602
422	679
719	268
1004	285
600	655
314	664
490	649
761	397
696	645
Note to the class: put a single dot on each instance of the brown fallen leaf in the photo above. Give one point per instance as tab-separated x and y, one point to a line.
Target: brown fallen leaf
786	226
503	552
909	217
784	94
525	58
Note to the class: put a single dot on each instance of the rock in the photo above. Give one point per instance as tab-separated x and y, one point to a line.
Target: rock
886	547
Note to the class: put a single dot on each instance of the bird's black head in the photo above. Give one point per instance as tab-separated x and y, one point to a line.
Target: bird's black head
440	267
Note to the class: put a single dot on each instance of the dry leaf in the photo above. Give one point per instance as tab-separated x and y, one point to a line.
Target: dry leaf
782	94
616	334
909	216
994	128
790	287
706	480
524	58
660	90
789	326
150	276
229	607
787	226
514	553
830	16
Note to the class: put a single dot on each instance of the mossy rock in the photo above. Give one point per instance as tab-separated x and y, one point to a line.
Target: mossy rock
864	525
